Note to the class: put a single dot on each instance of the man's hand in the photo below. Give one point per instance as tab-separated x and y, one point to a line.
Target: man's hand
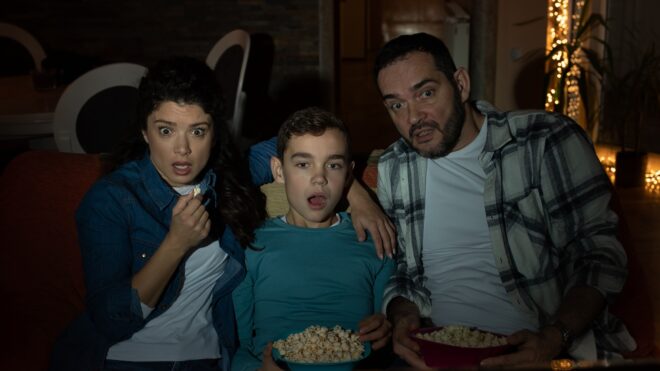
377	329
367	215
268	363
532	347
403	345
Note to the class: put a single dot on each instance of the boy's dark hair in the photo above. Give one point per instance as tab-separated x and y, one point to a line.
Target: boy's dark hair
399	47
313	121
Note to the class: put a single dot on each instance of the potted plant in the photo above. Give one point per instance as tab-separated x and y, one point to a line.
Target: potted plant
630	99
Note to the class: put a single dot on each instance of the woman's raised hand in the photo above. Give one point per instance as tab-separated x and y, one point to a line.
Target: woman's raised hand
190	222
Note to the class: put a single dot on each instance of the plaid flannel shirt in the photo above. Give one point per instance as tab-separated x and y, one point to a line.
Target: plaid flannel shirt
546	201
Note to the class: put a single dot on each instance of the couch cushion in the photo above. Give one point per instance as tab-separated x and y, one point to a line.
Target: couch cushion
41	271
276	201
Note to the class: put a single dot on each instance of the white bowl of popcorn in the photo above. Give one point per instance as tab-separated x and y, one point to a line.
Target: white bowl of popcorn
319	347
458	346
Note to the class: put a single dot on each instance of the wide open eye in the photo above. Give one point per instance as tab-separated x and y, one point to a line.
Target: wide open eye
427	93
199	132
164	130
396	106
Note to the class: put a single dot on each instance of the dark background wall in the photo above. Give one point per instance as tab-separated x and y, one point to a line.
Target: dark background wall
143	31
284	67
82	33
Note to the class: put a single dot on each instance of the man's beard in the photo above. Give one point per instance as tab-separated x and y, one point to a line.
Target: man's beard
450	134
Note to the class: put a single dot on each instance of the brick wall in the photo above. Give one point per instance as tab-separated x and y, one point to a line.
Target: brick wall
143	31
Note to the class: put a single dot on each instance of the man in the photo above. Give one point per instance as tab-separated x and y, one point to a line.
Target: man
502	218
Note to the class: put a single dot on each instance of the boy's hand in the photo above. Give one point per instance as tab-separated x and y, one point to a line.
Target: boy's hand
268	363
377	329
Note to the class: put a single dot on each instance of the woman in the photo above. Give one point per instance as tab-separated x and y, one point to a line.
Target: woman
161	237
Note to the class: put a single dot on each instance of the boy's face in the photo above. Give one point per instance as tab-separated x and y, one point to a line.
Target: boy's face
315	171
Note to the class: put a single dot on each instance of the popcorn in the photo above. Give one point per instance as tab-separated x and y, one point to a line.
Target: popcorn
197	190
461	336
321	344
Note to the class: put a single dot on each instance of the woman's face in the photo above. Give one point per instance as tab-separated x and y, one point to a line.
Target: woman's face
180	137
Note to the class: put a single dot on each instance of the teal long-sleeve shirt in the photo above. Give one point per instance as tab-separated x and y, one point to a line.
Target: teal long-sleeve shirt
303	277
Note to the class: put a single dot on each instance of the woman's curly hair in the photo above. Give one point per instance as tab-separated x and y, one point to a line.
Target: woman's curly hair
242	206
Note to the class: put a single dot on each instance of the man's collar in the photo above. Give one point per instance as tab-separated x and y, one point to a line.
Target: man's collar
499	133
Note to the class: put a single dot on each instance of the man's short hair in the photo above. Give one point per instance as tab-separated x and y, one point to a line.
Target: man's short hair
399	47
314	121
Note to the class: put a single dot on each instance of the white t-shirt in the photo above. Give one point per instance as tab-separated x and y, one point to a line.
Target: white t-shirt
185	330
458	260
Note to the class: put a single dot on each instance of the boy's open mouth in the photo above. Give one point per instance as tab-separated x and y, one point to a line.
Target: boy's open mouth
317	201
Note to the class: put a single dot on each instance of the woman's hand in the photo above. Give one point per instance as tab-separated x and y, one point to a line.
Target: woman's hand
367	215
190	225
377	329
268	363
190	222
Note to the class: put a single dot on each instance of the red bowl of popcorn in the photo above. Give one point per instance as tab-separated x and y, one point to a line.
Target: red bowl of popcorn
458	346
319	348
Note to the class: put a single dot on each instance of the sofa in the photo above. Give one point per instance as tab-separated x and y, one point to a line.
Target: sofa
41	275
41	278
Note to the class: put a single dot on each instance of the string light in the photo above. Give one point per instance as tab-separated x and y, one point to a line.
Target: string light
562	364
652	178
653	181
561	28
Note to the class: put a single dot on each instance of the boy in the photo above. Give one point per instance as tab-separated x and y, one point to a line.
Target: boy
306	267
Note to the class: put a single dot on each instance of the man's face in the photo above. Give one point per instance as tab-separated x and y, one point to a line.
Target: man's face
426	108
314	170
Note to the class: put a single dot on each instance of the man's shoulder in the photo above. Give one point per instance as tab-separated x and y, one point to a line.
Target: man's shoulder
532	125
532	120
520	119
392	151
396	153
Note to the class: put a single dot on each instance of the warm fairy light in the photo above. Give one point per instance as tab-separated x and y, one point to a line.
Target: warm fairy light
653	180
562	364
559	32
652	176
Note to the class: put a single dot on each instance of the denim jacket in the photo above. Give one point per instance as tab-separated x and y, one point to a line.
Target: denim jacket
122	221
